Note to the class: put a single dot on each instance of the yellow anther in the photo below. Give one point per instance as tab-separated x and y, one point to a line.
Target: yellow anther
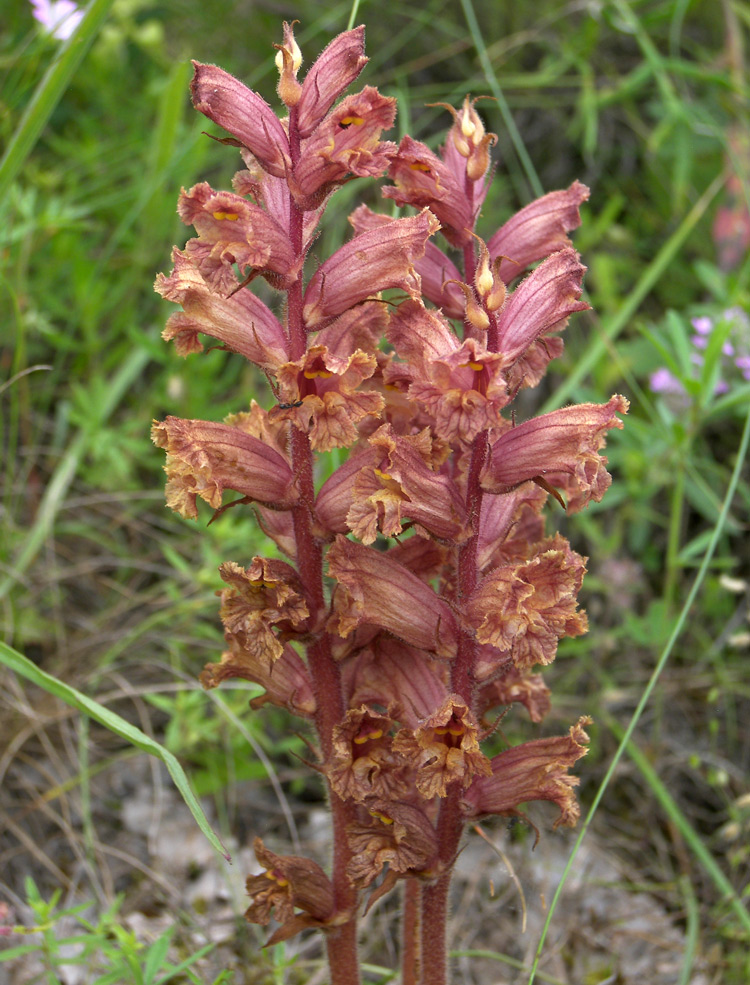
232	216
347	121
382	817
418	166
310	374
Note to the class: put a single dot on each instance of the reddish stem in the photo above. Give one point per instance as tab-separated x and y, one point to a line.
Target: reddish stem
450	821
410	936
341	942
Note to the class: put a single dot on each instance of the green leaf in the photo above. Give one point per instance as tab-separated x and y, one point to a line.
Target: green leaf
25	668
156	955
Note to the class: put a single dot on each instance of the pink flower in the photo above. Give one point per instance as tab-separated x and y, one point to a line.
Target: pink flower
59	18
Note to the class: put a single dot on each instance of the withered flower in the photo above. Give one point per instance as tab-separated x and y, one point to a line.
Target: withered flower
290	883
363	763
444	748
536	770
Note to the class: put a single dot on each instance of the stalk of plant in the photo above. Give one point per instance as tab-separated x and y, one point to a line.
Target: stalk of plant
420	590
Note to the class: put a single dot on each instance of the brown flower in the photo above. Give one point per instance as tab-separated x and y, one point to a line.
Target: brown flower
536	770
290	883
363	764
444	748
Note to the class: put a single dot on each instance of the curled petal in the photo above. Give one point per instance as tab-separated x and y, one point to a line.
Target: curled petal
538	229
333	71
241	322
444	748
265	596
524	609
375	260
401	483
286	680
396	834
289	883
536	770
243	113
231	231
461	385
321	396
346	143
423	180
362	763
564	441
374	589
205	458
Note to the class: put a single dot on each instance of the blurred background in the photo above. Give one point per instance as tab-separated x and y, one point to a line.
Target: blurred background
646	101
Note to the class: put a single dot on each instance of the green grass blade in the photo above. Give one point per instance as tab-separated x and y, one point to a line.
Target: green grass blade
704	857
673	812
58	486
25	668
49	92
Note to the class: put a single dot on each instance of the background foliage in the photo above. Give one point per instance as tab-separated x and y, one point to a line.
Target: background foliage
646	102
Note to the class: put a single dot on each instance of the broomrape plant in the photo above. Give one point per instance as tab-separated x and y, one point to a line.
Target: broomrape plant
420	590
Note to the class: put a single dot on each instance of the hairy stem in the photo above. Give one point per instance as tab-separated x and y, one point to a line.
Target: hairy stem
410	936
341	942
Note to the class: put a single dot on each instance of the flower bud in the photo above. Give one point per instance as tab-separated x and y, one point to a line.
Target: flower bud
288	60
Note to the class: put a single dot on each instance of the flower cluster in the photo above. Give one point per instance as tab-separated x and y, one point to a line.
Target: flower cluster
444	593
735	355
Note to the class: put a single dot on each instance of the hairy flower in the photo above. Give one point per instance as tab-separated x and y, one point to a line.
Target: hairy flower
565	442
443	748
289	883
261	598
241	322
396	834
363	763
204	459
321	396
369	263
536	770
461	385
523	609
346	143
400	483
422	179
374	589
